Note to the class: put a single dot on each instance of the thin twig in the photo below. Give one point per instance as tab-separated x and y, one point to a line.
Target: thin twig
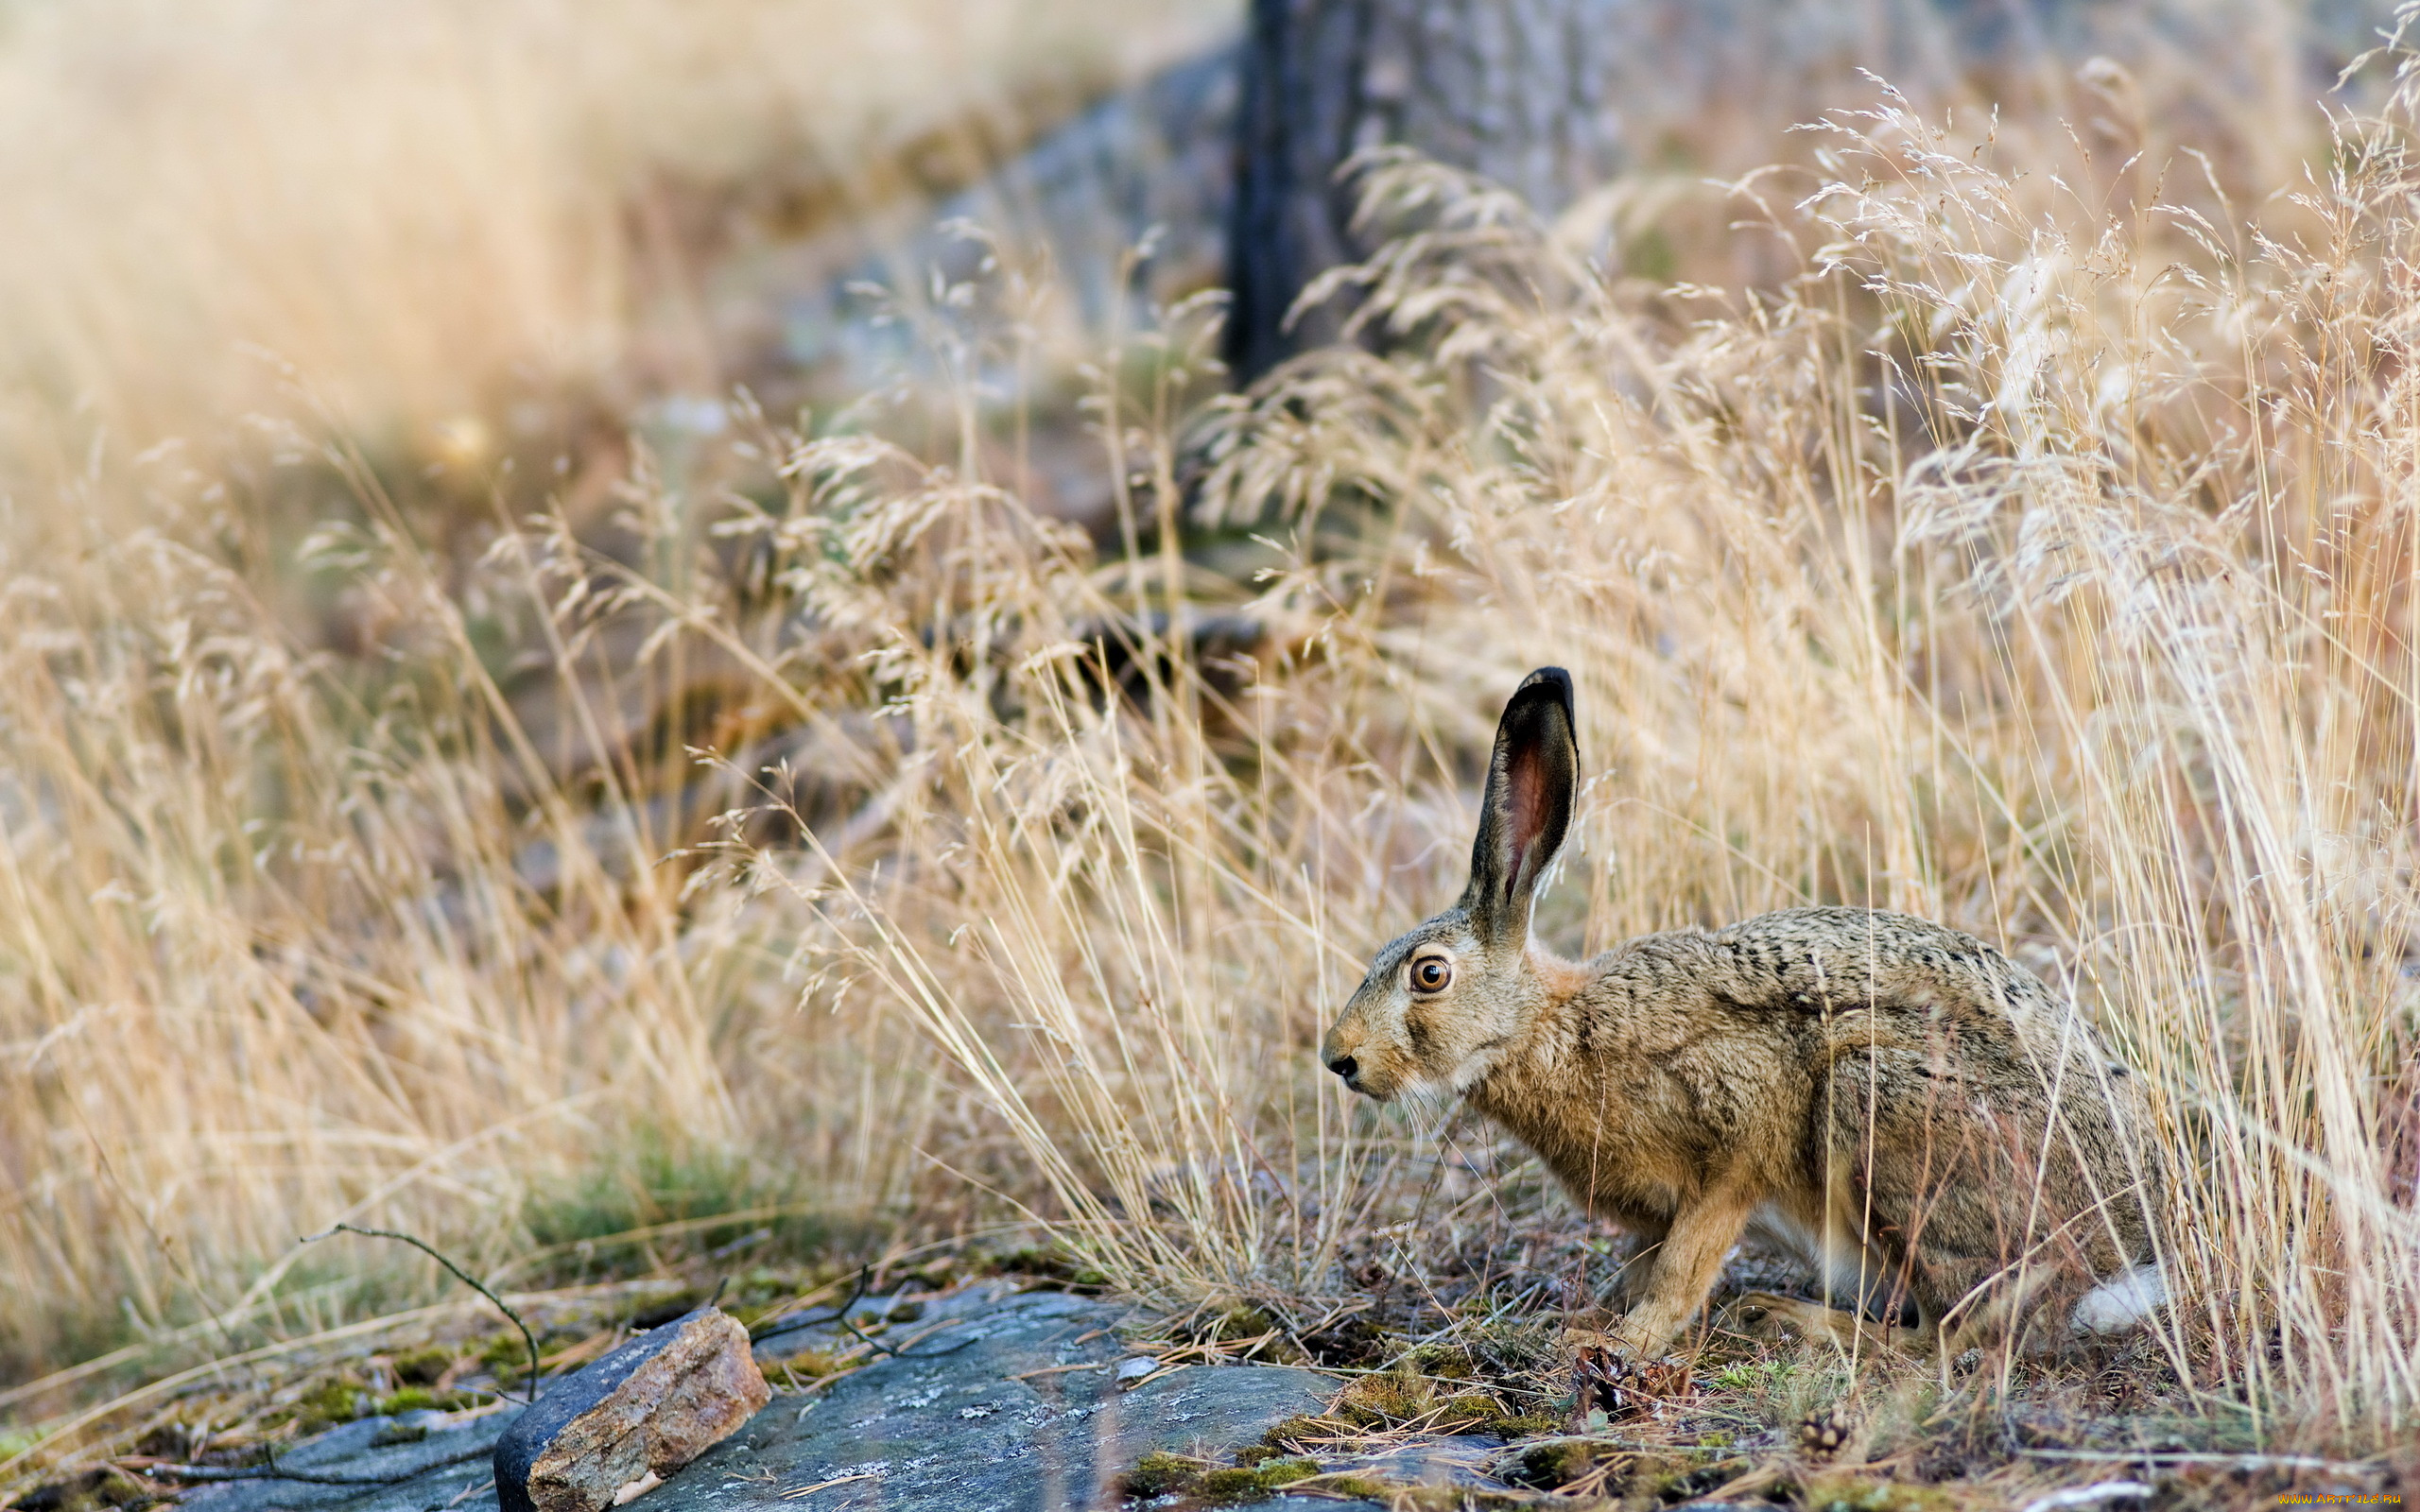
857	1294
459	1275
929	1354
840	1315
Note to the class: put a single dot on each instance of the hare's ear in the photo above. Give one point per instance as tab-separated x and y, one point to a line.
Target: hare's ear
1529	785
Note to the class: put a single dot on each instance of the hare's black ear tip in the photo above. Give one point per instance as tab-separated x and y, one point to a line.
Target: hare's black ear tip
1554	682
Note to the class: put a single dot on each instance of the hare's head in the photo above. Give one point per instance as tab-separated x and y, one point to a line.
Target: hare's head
1442	1001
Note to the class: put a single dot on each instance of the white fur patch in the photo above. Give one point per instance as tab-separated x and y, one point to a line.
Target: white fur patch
1853	1280
2121	1302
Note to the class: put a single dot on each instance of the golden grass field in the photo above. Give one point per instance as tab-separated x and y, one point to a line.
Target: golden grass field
2038	554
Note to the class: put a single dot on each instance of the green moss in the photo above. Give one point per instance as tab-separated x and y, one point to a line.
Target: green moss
1053	1263
423	1367
419	1398
1252	1483
664	1309
1230	1486
1469	1410
1286	1472
814	1363
1548	1466
333	1402
1379	1401
507	1357
1367	1487
1855	1493
1446	1361
1029	1261
1526	1425
1674	1473
1159	1473
88	1492
1294	1432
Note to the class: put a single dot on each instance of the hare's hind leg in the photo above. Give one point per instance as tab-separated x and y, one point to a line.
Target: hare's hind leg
1862	1288
1939	1177
1761	1311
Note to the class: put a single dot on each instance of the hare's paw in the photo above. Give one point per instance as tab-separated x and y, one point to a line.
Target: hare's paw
1769	1314
1766	1314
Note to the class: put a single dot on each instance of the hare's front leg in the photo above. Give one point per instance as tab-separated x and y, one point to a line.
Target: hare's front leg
1685	1268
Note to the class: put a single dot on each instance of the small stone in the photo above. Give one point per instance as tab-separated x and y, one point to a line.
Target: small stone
612	1431
1135	1368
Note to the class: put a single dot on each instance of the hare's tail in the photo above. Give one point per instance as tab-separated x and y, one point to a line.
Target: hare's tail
2121	1302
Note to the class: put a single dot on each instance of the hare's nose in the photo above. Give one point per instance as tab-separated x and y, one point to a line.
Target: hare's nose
1344	1066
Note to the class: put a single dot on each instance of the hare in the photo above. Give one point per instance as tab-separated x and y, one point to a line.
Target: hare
1911	1111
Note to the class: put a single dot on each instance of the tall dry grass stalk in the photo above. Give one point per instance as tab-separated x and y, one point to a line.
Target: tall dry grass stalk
2039	560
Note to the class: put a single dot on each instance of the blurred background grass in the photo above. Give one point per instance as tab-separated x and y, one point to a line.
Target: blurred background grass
432	211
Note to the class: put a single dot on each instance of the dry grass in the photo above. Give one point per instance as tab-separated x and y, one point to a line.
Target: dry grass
2040	559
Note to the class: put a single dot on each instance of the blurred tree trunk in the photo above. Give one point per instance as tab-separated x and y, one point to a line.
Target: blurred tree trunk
1510	89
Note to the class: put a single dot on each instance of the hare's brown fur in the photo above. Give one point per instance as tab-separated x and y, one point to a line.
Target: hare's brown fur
1910	1110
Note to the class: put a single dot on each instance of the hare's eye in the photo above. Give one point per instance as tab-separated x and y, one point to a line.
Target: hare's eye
1431	974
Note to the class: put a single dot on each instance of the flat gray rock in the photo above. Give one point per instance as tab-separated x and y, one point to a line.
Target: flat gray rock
1465	1460
995	1403
435	1473
1012	1407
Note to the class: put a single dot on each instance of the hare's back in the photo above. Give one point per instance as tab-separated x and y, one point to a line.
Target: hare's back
1845	962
